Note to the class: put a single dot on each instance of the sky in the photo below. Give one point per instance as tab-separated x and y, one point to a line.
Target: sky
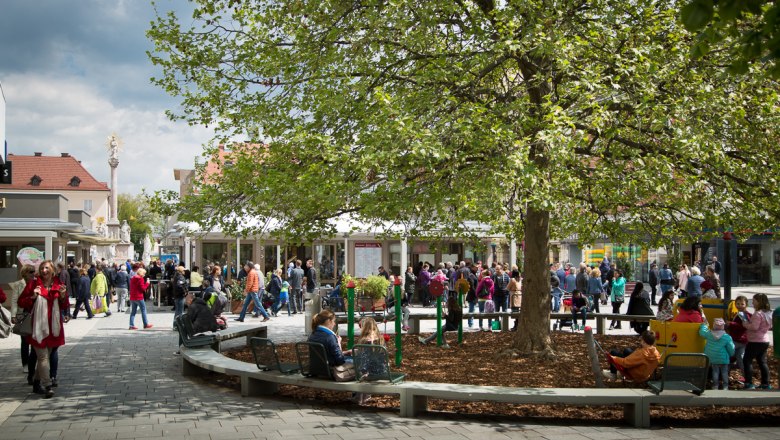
75	71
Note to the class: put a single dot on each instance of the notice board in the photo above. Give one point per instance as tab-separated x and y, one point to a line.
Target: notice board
368	258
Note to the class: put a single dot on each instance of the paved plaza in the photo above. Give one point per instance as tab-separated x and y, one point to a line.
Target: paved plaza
121	384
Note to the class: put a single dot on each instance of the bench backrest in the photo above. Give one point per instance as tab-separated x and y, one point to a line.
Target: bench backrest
264	351
313	360
370	362
688	367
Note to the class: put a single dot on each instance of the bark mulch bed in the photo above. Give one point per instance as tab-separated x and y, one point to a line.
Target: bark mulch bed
476	363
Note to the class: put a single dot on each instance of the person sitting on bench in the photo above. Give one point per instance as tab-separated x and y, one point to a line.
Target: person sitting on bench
453	319
635	365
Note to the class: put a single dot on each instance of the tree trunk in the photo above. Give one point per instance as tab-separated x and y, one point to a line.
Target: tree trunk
533	334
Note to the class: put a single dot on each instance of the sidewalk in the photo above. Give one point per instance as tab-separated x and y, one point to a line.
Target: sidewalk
116	383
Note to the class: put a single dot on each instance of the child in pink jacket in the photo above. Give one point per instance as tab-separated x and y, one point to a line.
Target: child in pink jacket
758	327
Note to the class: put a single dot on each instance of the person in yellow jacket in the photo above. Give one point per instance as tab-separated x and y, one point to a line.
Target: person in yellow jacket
98	289
635	365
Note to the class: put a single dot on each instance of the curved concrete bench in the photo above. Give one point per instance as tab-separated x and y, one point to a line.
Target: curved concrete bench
414	396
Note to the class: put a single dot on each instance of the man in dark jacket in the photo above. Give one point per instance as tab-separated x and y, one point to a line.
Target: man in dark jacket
654	275
201	316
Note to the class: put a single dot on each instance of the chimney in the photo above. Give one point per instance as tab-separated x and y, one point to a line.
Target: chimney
37	154
65	154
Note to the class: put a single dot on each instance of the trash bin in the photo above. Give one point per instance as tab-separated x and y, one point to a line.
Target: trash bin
313	306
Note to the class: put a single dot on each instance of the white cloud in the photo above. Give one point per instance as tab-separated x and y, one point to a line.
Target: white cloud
54	115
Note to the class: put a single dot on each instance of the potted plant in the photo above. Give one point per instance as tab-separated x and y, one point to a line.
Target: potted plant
373	291
235	293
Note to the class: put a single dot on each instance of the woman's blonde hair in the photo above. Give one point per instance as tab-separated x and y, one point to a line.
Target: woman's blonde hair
51	265
26	270
141	271
595	273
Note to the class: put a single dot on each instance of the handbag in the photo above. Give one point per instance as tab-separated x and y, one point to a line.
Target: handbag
23	326
344	372
5	322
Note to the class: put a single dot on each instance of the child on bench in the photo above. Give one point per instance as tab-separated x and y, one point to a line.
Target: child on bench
635	365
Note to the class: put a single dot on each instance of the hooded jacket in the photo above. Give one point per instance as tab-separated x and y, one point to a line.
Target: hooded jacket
640	364
719	347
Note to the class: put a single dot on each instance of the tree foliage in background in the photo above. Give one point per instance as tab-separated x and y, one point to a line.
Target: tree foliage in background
749	29
539	119
141	219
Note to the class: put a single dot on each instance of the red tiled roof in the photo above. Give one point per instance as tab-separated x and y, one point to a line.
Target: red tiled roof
55	172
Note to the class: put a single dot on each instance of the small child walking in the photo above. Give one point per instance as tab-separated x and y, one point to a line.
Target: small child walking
720	349
284	297
738	334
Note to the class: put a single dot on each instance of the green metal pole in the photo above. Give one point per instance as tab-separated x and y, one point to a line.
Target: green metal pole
350	314
398	354
460	324
462	287
439	338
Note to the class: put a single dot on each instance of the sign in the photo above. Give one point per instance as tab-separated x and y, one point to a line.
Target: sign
31	256
368	258
5	173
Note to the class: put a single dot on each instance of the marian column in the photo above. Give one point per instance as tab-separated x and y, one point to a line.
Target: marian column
113	162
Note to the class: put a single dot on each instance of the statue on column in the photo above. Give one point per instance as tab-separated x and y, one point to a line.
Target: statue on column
124	234
113	150
147	255
101	230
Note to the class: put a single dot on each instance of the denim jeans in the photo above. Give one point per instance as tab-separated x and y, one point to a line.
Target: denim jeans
134	306
252	296
739	353
501	302
278	304
556	300
482	310
581	312
472	307
720	372
178	305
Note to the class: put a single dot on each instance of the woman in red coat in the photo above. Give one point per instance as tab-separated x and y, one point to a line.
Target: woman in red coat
47	299
138	286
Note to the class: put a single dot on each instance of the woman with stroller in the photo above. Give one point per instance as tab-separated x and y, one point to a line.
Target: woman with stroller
579	307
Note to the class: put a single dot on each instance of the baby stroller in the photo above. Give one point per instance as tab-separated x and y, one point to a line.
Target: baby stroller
564	322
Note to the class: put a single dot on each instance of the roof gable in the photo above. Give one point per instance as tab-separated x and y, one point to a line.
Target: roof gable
56	173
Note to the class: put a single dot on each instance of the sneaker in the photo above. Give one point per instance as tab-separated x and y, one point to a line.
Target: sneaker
49	393
422	340
749	386
54	383
612	327
148	326
238	319
765	387
405	328
265	319
132	327
37	388
445	346
608	375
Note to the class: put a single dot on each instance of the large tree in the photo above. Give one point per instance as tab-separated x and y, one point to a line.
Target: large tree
538	118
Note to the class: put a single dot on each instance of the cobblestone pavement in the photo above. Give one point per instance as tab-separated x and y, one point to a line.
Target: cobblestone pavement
122	384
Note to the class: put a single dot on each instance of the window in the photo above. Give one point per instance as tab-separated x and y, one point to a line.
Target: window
75	181
35	180
324	262
88	205
215	253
